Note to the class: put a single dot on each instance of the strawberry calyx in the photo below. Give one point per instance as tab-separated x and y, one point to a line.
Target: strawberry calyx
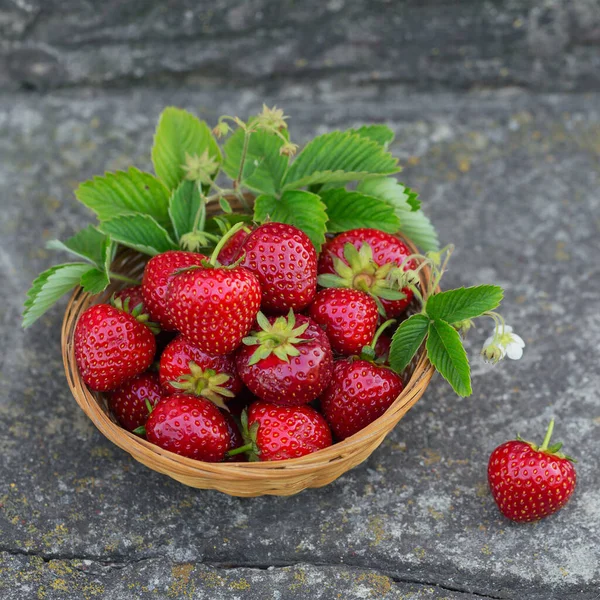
368	352
249	434
279	338
545	447
206	383
361	272
136	312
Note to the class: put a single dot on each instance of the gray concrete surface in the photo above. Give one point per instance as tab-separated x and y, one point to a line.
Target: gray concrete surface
546	45
512	179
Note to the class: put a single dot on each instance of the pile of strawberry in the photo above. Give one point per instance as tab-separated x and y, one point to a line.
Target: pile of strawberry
267	350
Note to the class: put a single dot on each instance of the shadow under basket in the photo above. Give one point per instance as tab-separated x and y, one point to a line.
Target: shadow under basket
279	478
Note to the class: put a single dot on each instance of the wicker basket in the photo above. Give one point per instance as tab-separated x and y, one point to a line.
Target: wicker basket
280	478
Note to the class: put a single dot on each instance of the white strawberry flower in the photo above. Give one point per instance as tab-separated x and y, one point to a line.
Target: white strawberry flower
503	342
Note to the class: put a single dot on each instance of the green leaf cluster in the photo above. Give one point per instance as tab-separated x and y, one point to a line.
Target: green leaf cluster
340	180
435	326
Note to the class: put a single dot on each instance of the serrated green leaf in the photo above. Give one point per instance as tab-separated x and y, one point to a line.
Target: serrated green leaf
464	303
179	133
407	339
140	232
381	134
301	209
339	156
264	167
352	210
89	244
94	281
447	354
126	192
49	287
415	225
184	205
413	198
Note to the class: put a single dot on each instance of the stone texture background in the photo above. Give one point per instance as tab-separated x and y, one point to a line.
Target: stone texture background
509	174
536	44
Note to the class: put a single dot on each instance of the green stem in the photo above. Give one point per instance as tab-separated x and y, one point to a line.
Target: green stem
238	179
546	441
438	273
498	321
200	218
418	294
381	329
239	450
224	240
119	277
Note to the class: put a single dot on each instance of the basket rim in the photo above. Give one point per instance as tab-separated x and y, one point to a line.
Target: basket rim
172	464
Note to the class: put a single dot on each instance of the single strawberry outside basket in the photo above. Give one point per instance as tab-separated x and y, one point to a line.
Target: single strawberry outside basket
279	478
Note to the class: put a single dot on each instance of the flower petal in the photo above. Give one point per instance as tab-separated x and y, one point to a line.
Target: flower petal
517	339
514	351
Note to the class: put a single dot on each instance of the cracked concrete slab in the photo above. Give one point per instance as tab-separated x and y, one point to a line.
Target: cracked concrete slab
159	579
512	179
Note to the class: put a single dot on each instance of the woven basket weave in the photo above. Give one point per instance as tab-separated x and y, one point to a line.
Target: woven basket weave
280	478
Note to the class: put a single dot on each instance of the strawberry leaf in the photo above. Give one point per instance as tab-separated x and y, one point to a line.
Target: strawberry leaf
414	224
340	157
264	167
94	281
448	356
413	198
407	339
301	209
381	134
179	133
352	210
184	204
89	244
48	287
463	303
126	192
140	232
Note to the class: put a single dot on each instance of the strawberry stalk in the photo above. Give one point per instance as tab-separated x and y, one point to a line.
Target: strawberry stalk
368	352
554	449
546	441
213	261
124	278
249	434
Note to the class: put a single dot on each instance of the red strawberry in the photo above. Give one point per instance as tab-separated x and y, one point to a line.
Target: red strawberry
129	403
237	439
186	368
214	307
158	273
360	392
382	348
135	296
279	432
232	249
111	346
349	317
287	361
530	482
285	262
189	426
368	260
